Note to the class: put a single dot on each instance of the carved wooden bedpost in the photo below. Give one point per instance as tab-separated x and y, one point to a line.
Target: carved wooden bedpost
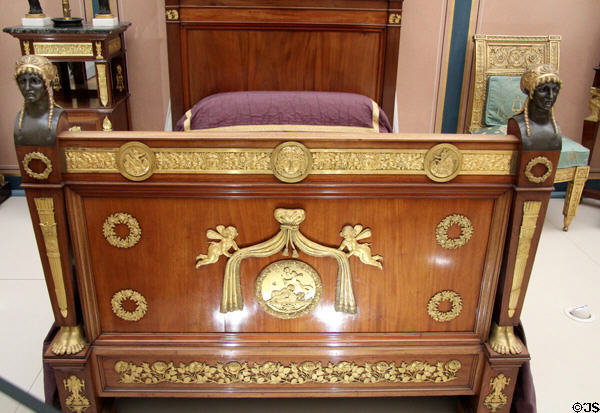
36	128
538	158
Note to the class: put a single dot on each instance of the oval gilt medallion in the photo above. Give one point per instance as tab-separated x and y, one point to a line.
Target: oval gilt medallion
288	289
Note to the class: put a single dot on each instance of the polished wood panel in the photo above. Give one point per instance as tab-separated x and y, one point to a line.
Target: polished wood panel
412	273
271	60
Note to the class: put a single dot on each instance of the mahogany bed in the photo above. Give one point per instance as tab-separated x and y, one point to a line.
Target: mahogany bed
285	264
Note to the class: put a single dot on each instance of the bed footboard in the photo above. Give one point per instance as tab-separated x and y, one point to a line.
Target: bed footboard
286	264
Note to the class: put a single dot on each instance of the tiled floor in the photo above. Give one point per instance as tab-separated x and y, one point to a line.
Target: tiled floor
565	353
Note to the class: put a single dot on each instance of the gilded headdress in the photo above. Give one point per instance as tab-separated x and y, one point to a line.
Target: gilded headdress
532	78
42	67
538	75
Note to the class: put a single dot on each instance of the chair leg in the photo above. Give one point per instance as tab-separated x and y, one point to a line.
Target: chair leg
573	196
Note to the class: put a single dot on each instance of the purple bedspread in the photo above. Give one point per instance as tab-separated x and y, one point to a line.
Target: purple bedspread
297	111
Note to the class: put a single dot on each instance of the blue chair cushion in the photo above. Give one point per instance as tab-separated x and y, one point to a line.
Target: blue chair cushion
572	154
492	130
504	99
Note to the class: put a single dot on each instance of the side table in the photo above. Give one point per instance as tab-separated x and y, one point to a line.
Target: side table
92	71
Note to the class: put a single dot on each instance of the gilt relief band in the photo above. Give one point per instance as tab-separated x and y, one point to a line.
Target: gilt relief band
45	210
323	161
271	372
531	210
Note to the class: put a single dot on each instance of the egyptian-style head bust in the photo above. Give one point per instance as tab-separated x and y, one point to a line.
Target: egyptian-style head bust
541	84
34	76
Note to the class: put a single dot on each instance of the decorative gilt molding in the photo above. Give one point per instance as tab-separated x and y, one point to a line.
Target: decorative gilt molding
574	192
45	210
496	399
564	174
441	316
56	49
466	231
515	56
288	289
395	18
99	50
135	231
289	235
594	105
172	14
136	161
531	211
114	45
27	47
76	401
538	160
120	79
107	124
291	162
503	340
68	340
141	305
91	160
56	82
353	234
40	157
272	372
258	161
102	83
443	162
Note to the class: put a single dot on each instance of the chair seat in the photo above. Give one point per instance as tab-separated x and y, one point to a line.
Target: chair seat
491	130
572	153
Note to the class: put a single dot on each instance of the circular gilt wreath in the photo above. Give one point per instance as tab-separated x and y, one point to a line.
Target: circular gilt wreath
538	160
40	157
135	232
444	316
137	298
466	231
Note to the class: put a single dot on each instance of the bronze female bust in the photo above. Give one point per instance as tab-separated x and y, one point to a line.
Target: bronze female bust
536	124
36	123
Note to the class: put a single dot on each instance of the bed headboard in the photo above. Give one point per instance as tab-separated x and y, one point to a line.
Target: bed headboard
322	45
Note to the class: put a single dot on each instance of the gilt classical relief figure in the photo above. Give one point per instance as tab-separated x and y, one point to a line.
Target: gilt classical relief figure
36	123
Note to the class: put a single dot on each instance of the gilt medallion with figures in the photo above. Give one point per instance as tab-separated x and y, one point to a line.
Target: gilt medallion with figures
288	289
136	161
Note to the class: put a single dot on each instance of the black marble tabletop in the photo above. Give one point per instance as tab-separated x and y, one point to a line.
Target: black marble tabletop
86	29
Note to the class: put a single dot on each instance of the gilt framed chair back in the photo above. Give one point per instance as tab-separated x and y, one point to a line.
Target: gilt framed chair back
504	55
